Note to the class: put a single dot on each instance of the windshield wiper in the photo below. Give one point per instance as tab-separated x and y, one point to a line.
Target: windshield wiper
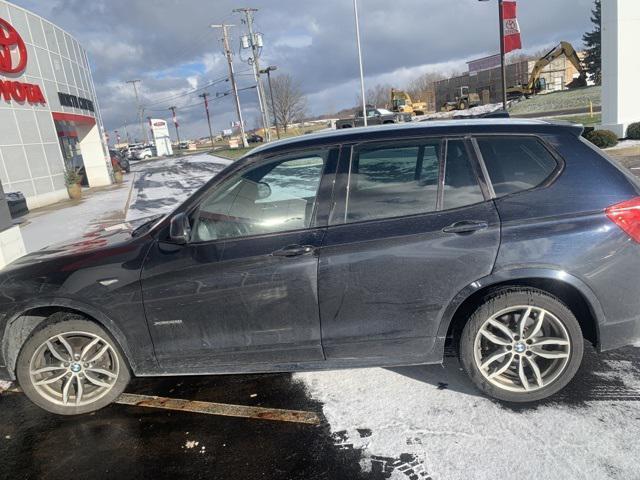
140	229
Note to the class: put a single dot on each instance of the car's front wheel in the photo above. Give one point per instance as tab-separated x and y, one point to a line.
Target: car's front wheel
71	366
521	345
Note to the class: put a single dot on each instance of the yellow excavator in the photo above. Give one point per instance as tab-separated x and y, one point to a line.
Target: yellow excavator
401	103
534	86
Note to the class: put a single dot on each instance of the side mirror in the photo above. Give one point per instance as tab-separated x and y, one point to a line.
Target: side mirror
180	229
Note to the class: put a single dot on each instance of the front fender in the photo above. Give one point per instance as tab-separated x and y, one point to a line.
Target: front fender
139	359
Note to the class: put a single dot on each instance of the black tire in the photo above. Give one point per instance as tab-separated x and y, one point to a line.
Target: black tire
501	300
63	323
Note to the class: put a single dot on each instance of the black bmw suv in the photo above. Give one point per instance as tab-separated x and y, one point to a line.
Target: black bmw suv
511	240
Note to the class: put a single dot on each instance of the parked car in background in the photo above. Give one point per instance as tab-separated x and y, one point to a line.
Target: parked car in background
509	242
375	116
254	138
119	160
144	153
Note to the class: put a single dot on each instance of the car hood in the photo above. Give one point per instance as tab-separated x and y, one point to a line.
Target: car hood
99	239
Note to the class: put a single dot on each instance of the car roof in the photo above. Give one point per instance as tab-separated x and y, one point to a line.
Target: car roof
437	127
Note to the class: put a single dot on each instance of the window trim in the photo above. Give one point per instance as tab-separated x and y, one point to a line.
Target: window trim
547	182
284	156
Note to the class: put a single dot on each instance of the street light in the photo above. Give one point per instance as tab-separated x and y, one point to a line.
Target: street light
268	71
502	64
364	106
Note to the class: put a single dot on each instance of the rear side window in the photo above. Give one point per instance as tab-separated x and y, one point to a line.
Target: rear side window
388	181
460	185
393	181
515	164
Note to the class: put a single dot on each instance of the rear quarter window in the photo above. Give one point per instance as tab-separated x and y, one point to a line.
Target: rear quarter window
516	163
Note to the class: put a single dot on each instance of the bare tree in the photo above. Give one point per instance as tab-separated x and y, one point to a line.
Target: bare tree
378	95
420	87
290	104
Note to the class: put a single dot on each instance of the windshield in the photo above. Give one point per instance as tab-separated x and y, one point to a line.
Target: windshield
384	111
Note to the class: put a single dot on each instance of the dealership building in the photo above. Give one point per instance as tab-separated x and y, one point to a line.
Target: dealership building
49	117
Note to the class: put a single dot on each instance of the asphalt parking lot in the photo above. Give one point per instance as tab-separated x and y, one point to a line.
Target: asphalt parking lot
417	423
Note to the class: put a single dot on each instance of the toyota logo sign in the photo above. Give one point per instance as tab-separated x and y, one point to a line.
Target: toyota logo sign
11	46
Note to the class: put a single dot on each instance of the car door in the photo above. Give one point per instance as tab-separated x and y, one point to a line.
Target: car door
414	226
244	289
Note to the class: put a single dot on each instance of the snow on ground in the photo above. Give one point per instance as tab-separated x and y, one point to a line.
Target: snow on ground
561	100
434	416
471	112
626	144
161	185
71	219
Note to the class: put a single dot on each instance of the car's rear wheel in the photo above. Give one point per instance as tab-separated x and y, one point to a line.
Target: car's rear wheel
521	345
72	366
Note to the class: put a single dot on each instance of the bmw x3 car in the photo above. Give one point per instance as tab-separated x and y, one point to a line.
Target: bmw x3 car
511	241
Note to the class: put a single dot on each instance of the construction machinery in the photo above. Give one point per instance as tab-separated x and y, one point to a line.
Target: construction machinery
401	103
464	99
535	85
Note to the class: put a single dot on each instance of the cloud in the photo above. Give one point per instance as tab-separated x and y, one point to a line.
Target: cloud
169	45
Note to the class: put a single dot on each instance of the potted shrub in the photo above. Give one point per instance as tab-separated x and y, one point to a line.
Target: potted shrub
72	180
118	174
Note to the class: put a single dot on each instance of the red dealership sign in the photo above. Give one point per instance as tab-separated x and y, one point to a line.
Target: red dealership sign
511	38
13	52
13	60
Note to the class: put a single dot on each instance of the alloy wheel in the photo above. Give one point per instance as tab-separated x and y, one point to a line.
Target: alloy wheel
522	348
74	368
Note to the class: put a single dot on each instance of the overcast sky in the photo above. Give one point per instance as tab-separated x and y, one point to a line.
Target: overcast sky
169	46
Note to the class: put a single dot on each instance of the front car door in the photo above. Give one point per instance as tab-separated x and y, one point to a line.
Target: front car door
244	289
414	226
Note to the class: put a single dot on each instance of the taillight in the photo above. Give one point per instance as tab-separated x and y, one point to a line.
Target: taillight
627	216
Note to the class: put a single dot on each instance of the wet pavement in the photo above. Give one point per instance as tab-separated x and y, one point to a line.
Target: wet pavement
138	442
123	441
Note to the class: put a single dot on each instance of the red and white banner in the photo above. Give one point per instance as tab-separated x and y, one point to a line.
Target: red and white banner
511	39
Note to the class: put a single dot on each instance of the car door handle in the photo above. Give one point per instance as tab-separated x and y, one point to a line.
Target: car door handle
467	226
293	251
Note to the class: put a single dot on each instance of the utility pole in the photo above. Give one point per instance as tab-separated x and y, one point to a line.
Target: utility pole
143	131
206	109
229	54
268	71
254	41
175	123
364	101
126	133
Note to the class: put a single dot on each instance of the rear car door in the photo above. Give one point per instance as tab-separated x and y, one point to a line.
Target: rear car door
413	225
244	289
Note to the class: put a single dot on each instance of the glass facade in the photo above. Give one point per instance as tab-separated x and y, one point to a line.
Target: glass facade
31	145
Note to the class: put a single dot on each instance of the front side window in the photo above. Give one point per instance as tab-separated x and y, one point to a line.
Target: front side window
516	163
393	181
274	197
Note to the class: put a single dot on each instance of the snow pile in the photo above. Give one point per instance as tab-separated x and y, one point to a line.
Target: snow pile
433	414
471	112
